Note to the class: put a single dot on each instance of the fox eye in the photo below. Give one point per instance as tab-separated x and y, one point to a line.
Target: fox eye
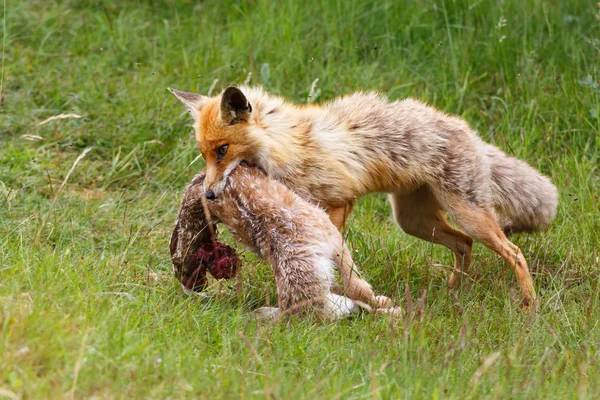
221	151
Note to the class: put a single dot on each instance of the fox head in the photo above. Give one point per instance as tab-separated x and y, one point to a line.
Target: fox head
223	126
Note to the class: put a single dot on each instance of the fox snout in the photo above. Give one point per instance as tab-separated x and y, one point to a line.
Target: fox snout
214	190
213	177
210	195
216	179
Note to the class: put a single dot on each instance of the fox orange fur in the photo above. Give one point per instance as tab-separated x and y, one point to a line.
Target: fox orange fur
429	162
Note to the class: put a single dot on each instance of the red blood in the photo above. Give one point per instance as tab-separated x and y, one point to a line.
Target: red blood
219	258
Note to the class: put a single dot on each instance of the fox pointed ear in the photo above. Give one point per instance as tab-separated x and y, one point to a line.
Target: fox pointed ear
234	106
194	102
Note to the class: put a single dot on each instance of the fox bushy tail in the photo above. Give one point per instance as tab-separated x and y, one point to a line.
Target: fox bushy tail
525	200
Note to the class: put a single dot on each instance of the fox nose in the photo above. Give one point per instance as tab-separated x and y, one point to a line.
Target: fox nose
210	194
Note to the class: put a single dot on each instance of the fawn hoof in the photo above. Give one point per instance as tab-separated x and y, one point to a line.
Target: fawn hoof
396	312
383	302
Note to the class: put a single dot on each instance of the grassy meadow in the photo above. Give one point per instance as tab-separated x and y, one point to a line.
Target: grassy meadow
88	304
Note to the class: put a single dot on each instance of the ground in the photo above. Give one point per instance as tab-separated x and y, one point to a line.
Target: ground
88	303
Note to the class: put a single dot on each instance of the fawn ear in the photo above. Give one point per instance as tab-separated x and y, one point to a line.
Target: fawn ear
234	106
194	102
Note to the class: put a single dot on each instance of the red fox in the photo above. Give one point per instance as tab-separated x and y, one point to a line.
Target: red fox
430	164
294	236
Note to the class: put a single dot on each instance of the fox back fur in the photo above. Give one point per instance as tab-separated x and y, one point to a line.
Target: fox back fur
428	161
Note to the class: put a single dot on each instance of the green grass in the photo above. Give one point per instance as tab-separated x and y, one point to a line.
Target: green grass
88	304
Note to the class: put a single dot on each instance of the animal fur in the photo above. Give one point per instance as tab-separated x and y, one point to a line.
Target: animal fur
429	162
295	237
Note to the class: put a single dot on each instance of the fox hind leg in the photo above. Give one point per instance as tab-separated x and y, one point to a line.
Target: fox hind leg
419	214
483	225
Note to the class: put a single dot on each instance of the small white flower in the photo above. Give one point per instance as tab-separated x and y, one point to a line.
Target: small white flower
502	22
